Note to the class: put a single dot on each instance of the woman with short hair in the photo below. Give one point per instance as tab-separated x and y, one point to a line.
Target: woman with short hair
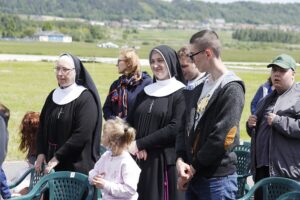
124	90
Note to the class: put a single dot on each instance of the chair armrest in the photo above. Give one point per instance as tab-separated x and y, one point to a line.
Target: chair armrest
35	192
20	179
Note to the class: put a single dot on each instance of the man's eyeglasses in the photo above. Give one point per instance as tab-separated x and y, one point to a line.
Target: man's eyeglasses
62	69
191	55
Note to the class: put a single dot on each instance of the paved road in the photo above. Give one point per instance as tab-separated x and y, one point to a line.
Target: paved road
144	62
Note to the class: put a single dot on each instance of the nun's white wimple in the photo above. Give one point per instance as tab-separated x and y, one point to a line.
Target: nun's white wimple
68	59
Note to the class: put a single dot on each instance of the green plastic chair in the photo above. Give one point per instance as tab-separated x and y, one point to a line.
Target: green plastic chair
295	195
243	166
63	185
34	178
273	187
102	150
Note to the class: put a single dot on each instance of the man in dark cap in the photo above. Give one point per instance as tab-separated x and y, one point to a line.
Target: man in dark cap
275	126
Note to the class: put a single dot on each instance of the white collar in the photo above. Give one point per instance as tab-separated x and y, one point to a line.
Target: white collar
163	88
63	96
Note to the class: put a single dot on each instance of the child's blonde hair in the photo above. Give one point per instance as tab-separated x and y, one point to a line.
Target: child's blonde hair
119	134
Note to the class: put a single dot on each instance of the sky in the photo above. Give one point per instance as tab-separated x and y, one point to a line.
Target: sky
262	1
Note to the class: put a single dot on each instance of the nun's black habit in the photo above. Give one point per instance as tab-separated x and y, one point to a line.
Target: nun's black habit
71	131
157	117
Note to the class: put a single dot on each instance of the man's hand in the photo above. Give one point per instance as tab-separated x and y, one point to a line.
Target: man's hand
270	118
184	170
252	121
182	184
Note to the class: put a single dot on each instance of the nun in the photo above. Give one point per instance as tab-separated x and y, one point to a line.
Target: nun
68	138
157	118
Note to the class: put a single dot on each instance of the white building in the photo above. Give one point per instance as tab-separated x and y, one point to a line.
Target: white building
52	36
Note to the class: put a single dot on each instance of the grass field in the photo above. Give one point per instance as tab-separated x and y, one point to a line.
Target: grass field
25	85
147	39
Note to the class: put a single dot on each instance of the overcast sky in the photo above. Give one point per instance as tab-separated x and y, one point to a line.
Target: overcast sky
262	1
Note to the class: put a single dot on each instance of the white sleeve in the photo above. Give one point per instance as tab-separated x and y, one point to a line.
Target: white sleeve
98	166
130	175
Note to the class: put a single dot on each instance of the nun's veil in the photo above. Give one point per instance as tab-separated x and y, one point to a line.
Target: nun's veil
83	78
171	58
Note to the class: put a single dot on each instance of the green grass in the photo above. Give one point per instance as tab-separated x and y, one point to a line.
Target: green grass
147	39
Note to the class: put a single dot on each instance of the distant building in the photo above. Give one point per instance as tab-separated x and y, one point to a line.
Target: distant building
108	45
52	36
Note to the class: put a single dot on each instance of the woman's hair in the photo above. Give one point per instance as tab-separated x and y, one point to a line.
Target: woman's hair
28	130
133	62
119	134
270	81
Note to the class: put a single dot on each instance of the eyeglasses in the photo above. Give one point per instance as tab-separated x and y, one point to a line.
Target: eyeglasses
120	60
62	69
191	55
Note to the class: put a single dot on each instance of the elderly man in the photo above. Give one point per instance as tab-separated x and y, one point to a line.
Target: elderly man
275	126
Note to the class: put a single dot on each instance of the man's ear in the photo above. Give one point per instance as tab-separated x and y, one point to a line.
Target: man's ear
208	52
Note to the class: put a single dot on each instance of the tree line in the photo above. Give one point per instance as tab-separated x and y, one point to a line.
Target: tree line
238	12
266	36
12	26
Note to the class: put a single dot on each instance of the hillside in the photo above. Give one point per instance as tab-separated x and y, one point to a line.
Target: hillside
239	12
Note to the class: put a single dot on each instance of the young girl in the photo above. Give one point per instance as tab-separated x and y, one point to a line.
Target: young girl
28	130
116	173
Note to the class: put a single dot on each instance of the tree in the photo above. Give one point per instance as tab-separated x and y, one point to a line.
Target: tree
47	26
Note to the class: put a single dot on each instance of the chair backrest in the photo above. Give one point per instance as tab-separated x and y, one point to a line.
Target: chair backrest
295	195
273	187
34	178
102	150
68	186
243	166
62	185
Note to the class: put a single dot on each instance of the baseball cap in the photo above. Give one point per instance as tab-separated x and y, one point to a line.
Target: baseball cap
284	61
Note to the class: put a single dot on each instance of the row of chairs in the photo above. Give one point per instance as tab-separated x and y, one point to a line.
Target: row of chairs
273	188
64	185
72	185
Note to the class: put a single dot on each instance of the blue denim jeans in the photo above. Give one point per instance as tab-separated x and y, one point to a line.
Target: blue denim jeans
4	190
220	188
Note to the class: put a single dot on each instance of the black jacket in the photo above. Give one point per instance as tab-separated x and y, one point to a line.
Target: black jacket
208	147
